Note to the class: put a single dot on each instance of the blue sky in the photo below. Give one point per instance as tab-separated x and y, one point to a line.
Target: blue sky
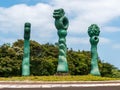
8	3
81	14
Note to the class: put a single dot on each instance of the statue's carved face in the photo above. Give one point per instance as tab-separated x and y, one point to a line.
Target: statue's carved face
58	13
93	30
61	21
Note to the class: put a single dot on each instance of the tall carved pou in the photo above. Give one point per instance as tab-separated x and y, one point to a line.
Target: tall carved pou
61	23
93	32
26	56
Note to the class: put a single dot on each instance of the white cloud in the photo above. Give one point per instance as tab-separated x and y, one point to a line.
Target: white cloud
110	29
7	40
78	40
85	40
81	14
40	16
116	46
86	12
104	40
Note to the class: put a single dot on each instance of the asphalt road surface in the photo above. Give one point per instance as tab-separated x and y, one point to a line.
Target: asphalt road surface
68	88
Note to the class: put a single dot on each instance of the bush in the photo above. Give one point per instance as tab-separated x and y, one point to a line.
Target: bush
44	60
43	66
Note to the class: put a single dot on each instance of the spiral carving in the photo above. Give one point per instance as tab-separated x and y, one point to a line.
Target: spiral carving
61	23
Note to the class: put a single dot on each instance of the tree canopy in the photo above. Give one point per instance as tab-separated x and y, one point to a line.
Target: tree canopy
43	60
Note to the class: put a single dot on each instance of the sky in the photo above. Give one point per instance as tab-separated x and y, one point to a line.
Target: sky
81	14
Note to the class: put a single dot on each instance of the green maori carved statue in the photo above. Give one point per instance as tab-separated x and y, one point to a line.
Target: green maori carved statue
61	23
26	56
93	32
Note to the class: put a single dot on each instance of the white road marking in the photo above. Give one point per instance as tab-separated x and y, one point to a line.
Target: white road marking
55	85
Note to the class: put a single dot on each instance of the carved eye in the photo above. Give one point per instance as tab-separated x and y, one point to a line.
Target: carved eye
95	38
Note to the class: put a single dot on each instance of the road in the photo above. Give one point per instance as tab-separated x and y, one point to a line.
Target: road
70	88
89	85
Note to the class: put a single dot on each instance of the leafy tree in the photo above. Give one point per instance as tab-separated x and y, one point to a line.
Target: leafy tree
43	60
79	64
43	66
115	73
106	69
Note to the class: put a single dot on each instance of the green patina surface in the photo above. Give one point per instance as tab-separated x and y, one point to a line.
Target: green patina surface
61	23
93	32
26	56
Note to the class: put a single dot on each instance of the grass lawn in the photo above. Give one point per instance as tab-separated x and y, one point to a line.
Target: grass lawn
58	78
